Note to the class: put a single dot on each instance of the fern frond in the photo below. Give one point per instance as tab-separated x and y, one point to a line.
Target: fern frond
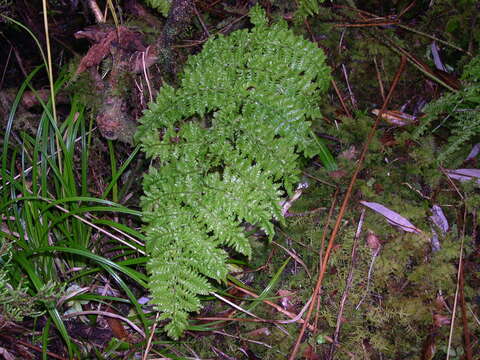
308	8
227	143
162	6
460	112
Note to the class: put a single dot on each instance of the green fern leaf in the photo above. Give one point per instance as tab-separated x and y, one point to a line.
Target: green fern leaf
308	8
226	145
460	112
162	6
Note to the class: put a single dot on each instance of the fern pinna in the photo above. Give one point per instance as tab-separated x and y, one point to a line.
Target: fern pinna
224	145
461	109
163	6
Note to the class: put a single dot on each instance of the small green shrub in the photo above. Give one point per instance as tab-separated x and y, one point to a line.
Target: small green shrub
226	142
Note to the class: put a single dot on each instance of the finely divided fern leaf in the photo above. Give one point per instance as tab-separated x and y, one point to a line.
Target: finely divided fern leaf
225	145
308	8
162	6
460	112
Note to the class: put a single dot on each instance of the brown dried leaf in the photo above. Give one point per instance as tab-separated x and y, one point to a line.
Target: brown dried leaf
429	348
116	326
396	118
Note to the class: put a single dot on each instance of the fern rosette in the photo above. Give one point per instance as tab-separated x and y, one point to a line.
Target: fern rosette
225	145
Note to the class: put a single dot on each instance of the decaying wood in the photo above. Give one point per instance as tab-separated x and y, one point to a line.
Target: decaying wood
130	56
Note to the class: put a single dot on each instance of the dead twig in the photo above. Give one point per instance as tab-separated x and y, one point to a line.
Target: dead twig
275	306
97	12
239	308
340	97
200	20
150	338
455	302
379	78
348	284
447	82
353	101
38	349
145	74
369	276
294	256
374	20
322	245
466	332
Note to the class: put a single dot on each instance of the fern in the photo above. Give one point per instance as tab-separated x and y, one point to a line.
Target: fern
308	8
225	143
162	6
460	110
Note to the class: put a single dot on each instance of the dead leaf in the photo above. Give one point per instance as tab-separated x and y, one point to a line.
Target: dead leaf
449	79
117	328
392	217
435	241
464	174
6	355
474	152
429	348
287	204
396	118
436	57
439	219
378	188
